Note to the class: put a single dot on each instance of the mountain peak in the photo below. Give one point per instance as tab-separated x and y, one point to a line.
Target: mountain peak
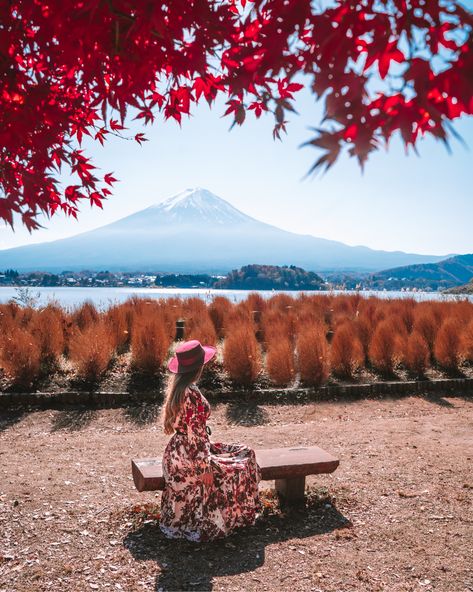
197	204
191	197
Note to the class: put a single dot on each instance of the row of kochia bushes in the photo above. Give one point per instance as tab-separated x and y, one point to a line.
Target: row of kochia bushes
310	337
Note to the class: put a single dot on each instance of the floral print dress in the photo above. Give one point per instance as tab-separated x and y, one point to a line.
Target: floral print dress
191	510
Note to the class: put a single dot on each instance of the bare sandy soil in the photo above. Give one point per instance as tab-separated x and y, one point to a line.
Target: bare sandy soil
397	515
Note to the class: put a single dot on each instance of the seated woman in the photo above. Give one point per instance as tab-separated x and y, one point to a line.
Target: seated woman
210	487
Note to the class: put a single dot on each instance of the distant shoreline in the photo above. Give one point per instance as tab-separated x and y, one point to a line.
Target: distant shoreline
106	296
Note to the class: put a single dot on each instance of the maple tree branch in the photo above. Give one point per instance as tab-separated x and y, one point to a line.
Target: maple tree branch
129	18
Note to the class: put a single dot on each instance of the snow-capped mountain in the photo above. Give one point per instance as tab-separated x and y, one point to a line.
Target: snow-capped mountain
196	231
199	206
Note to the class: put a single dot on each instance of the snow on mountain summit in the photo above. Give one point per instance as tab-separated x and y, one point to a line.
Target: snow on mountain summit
200	205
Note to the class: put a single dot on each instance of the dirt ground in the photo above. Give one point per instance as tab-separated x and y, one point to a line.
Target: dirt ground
397	515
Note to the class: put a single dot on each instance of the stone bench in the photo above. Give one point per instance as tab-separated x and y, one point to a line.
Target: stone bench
287	466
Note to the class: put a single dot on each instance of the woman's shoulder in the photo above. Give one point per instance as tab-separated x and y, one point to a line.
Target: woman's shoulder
195	394
192	392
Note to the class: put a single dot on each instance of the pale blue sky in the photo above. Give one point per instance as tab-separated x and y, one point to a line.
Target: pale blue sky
422	205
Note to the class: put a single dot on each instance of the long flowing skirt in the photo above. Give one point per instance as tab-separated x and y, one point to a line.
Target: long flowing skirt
195	512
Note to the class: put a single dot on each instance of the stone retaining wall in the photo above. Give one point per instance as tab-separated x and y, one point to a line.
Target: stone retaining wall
61	400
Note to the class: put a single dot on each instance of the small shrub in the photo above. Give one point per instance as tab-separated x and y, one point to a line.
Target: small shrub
255	302
219	310
280	362
417	354
364	327
346	354
203	330
386	346
199	324
149	344
426	324
91	351
404	310
20	357
447	346
277	325
467	342
48	328
118	321
312	354
7	318
241	354
85	315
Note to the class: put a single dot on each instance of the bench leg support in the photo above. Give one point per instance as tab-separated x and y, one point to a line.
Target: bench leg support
291	489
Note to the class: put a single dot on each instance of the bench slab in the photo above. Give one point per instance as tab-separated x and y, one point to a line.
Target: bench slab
288	466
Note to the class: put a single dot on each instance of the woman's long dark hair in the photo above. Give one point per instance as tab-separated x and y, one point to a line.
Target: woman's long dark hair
175	391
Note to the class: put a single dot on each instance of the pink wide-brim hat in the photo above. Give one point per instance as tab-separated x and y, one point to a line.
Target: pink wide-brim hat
190	355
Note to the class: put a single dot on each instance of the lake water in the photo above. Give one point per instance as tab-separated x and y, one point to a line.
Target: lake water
105	297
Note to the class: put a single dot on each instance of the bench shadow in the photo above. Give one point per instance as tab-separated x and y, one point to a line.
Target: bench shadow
73	419
246	413
193	566
142	415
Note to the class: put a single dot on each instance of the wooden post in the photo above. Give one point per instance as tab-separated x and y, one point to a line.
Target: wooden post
257	319
180	329
291	489
256	316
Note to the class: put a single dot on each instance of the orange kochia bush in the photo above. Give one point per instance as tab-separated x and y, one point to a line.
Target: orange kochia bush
386	347
280	364
312	354
417	355
242	354
467	342
91	350
149	343
20	357
309	336
447	347
346	352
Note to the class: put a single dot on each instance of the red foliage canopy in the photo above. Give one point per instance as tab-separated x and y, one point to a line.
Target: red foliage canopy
70	68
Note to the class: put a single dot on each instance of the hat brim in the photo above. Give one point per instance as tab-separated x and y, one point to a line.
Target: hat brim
173	365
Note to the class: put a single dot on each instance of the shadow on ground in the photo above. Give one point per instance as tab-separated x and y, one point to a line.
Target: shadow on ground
438	399
10	418
73	419
246	413
193	566
142	415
